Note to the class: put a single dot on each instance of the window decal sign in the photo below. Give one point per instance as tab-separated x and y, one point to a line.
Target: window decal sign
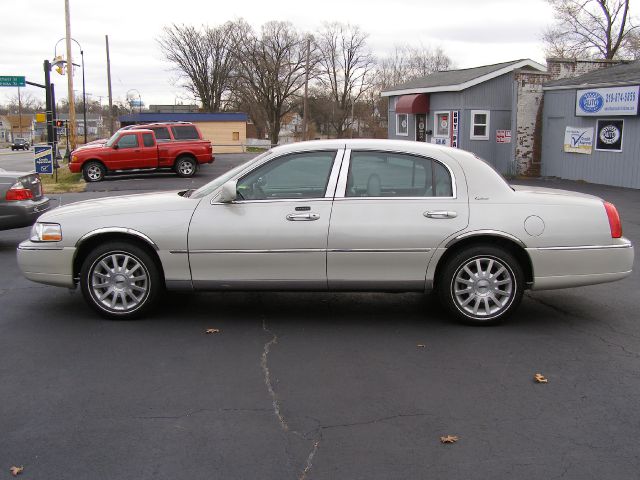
503	136
607	101
578	140
609	135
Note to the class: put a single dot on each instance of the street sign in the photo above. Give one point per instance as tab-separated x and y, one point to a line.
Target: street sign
12	81
44	159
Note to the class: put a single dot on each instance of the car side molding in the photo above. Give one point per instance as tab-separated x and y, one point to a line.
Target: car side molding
126	231
478	233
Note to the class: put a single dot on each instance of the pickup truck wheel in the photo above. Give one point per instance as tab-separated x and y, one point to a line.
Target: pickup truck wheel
120	280
93	172
186	167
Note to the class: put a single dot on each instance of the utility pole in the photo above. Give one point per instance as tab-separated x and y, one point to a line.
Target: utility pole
19	113
305	107
106	39
71	132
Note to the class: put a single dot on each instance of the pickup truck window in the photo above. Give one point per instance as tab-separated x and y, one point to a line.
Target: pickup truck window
186	132
128	141
162	133
147	139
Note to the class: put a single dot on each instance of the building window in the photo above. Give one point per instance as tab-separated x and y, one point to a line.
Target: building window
480	124
235	136
392	103
402	124
442	124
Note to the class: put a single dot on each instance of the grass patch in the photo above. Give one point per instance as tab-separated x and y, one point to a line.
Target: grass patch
256	149
67	181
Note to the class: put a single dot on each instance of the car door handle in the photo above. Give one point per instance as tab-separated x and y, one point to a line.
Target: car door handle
440	214
303	217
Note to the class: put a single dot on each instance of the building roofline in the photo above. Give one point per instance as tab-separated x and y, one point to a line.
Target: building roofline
470	83
591	85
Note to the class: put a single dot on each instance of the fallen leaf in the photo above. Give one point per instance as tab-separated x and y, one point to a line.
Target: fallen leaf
540	378
420	345
449	439
15	471
212	330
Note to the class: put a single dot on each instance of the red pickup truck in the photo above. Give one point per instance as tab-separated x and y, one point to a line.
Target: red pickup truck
138	149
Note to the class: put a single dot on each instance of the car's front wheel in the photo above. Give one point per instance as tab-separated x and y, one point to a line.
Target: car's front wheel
186	167
93	172
481	285
120	280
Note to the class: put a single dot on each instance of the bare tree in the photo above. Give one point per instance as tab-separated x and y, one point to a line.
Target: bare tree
28	103
407	63
271	68
589	28
204	60
345	70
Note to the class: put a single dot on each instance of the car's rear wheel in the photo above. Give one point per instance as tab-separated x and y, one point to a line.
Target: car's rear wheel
481	285
93	171
120	280
186	167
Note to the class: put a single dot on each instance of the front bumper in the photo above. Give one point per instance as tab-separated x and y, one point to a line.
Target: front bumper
22	213
562	267
75	167
47	263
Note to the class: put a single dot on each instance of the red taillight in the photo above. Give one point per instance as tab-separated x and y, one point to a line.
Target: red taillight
614	220
18	192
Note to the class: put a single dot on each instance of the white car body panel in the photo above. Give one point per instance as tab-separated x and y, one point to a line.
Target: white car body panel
356	243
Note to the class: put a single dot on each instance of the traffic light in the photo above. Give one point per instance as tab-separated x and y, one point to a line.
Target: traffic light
59	123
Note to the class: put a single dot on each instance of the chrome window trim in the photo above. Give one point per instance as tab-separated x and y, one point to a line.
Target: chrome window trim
128	231
342	181
333	176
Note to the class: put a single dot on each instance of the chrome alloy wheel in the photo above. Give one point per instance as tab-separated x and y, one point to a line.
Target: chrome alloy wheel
119	282
186	168
94	172
483	287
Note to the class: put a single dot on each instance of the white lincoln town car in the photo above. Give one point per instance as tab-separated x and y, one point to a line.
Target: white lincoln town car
335	215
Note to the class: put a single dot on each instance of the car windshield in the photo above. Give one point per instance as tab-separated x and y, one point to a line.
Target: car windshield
217	182
113	139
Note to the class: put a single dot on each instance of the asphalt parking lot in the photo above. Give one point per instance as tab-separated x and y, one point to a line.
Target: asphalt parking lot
318	386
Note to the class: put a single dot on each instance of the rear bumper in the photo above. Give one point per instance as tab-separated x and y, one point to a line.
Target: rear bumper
562	267
22	213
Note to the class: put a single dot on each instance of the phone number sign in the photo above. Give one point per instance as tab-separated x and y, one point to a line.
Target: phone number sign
596	102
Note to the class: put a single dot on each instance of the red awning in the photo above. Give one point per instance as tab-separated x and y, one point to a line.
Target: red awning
418	103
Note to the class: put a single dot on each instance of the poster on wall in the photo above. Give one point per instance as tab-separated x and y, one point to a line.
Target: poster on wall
609	135
607	101
503	136
578	140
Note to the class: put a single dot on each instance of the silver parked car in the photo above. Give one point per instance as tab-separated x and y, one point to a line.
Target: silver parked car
21	199
337	215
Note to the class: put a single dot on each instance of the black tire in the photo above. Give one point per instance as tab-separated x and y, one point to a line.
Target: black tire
481	285
93	171
185	167
132	282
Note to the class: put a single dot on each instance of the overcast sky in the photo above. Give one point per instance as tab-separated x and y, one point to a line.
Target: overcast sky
472	33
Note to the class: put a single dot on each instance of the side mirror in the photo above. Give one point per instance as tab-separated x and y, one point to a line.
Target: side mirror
229	192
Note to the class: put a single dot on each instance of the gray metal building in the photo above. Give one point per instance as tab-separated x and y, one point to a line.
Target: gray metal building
591	128
476	109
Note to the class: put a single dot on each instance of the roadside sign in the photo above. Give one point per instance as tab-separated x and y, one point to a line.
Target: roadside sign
12	81
41	117
44	159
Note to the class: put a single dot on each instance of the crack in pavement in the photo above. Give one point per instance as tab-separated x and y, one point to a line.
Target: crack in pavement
573	327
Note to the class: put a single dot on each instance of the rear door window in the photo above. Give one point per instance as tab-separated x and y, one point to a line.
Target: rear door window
185	132
147	139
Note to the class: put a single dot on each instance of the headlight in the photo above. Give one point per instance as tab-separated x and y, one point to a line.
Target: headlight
46	232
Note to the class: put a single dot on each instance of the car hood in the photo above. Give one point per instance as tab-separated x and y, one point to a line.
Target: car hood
90	146
123	205
552	191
